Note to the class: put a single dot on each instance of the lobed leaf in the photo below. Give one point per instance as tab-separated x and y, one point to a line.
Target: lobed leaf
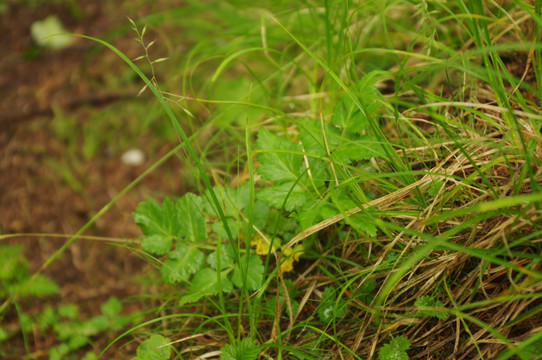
191	220
253	274
282	159
156	347
395	349
181	263
205	283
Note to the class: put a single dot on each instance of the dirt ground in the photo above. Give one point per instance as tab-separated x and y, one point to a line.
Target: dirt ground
36	195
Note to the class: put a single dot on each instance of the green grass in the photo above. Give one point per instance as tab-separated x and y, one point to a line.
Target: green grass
386	153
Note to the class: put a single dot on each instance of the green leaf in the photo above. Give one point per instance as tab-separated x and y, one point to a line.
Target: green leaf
218	228
181	263
70	311
428	301
395	349
276	195
156	244
233	200
205	283
252	275
359	221
112	307
3	335
156	347
246	349
348	115
58	352
11	260
192	222
47	318
363	292
330	308
345	148
226	260
357	148
281	161
158	223
40	286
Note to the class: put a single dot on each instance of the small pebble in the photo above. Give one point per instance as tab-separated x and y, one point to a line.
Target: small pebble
133	157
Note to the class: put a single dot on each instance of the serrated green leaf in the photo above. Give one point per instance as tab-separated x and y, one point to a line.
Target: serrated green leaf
357	148
156	347
181	263
275	195
281	159
39	286
157	244
359	221
253	274
232	200
428	301
218	228
329	308
191	220
348	115
395	349
226	260
159	223
246	349
205	283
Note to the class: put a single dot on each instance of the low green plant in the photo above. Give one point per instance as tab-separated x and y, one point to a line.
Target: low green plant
395	349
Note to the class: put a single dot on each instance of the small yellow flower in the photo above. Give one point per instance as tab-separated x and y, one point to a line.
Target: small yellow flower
262	245
290	255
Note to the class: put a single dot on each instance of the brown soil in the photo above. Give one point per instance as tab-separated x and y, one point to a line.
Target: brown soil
36	196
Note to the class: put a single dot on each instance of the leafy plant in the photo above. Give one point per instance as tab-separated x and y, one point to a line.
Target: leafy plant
74	333
16	278
424	302
182	224
331	306
245	349
395	349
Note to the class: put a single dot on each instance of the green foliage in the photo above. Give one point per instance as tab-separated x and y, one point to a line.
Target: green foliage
74	333
15	277
298	184
183	225
181	263
281	161
331	306
159	225
245	349
156	347
395	349
429	301
271	302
